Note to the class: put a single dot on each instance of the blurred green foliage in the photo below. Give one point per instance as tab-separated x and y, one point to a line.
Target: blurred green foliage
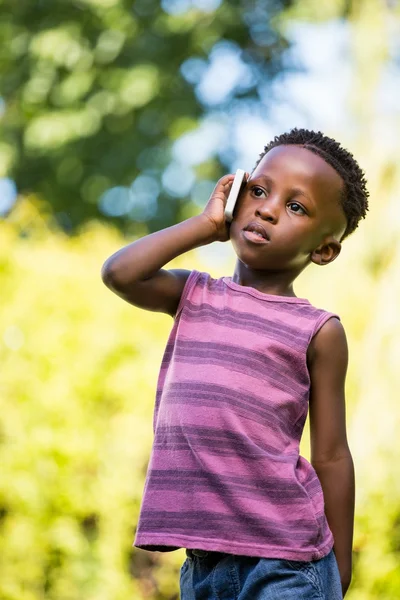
77	382
94	94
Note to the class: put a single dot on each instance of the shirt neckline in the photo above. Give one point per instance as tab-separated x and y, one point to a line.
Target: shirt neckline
257	294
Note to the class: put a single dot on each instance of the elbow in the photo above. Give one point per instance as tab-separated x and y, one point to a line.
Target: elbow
333	458
109	274
117	276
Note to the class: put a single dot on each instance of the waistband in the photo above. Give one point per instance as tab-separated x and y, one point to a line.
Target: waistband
192	553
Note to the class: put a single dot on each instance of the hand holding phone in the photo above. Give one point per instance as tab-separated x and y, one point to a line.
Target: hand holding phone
234	194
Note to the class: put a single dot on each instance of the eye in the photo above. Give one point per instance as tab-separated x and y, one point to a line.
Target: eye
296	208
257	191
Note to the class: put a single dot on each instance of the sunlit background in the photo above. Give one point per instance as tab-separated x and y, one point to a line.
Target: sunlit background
117	117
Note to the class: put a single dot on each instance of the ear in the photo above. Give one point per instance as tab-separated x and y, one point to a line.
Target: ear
326	252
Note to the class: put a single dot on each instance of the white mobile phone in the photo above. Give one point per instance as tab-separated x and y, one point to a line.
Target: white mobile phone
234	194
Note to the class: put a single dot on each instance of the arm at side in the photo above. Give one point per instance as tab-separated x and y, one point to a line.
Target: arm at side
330	453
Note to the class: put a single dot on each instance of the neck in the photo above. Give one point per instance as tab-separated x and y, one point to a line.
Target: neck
276	283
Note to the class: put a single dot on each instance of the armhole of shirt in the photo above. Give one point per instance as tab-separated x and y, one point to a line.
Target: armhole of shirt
189	285
322	320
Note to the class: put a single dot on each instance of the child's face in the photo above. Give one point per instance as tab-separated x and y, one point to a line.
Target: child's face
293	199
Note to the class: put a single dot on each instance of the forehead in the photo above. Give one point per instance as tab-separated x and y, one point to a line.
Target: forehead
298	166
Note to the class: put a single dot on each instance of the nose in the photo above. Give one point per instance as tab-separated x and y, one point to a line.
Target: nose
268	210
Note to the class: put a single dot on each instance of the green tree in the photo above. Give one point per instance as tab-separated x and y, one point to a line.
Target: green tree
94	94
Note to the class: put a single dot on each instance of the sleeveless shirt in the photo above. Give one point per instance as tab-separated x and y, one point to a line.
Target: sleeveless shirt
225	472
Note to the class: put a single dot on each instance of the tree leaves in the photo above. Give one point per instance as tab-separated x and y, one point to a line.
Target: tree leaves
96	92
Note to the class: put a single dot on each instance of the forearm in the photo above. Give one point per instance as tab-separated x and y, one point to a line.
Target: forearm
337	481
143	258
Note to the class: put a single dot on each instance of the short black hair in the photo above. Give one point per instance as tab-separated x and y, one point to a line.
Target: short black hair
354	199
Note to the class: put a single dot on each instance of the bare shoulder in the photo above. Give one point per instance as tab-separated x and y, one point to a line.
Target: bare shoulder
160	293
174	280
329	342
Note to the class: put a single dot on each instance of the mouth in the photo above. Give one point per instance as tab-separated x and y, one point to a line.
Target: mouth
256	232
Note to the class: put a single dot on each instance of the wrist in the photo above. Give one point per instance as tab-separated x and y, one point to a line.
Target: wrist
345	580
206	229
345	587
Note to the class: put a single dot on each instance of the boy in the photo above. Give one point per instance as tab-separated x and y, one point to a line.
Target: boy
244	360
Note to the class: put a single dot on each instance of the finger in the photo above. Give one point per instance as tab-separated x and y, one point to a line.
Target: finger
224	184
226	179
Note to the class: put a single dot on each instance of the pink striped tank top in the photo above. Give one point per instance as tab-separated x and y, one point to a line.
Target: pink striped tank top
225	472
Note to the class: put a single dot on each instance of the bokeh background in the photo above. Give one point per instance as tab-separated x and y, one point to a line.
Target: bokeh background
116	119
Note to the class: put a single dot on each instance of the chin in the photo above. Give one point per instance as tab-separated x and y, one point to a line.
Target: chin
255	263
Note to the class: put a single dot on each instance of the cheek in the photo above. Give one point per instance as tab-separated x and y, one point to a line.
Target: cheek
242	203
234	232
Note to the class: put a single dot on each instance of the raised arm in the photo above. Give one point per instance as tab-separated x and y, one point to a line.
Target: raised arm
135	272
330	453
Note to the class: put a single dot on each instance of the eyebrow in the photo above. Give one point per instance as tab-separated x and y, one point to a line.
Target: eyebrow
299	192
296	191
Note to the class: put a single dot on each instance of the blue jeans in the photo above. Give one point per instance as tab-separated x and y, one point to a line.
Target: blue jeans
218	576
